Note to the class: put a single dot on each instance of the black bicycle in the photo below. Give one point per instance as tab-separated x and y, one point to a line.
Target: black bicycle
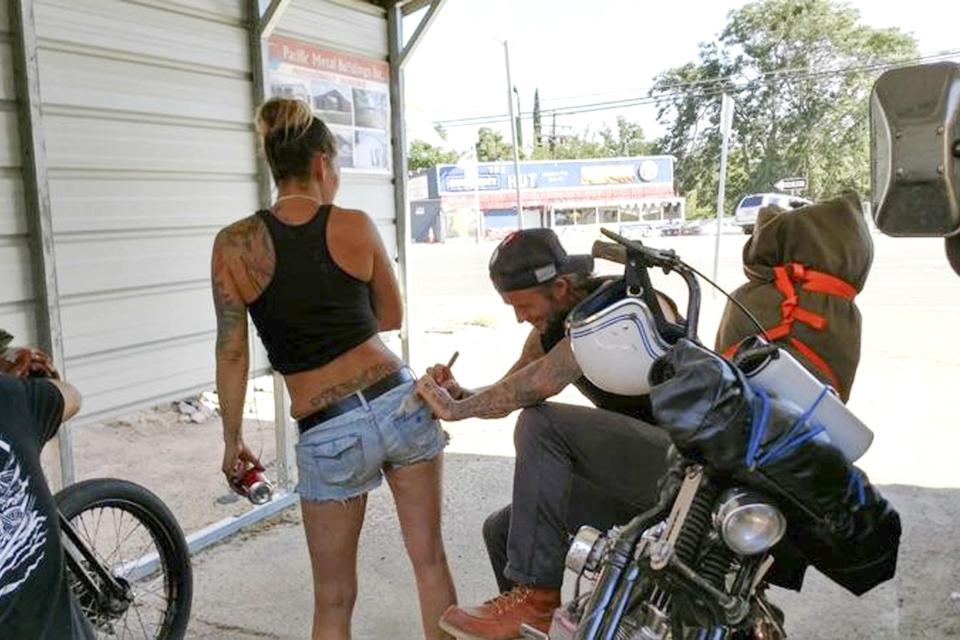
127	560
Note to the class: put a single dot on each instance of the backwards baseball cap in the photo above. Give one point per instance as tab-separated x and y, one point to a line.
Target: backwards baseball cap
532	257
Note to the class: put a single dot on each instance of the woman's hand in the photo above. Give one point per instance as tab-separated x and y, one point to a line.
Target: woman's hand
439	399
237	459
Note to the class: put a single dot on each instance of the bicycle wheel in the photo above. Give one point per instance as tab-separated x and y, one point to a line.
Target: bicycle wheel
136	538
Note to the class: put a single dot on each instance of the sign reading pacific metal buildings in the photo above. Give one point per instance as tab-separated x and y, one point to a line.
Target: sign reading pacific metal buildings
561	181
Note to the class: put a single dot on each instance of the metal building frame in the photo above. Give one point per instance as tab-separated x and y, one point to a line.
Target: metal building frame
59	460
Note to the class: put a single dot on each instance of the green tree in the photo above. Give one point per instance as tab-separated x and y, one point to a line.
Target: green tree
800	72
491	146
423	155
627	140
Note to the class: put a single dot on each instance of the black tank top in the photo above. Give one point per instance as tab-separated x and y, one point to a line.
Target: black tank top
634	406
312	310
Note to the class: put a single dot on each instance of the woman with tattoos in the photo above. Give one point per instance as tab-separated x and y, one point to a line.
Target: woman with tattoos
318	284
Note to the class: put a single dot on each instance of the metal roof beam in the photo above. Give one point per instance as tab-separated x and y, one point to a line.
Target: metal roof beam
268	21
425	22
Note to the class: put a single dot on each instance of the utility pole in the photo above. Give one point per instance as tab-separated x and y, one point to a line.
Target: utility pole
513	135
726	123
519	117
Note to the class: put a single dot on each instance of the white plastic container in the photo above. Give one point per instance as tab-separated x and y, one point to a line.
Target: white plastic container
782	375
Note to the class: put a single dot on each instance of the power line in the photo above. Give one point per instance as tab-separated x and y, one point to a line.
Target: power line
718	85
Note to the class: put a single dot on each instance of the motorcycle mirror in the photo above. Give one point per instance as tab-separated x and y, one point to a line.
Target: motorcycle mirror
915	150
953	252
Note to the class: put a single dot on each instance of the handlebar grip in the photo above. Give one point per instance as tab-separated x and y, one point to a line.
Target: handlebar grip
609	251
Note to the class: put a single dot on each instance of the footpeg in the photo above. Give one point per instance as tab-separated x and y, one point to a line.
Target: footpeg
528	632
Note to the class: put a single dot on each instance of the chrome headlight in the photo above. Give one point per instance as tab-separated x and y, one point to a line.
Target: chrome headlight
586	550
748	523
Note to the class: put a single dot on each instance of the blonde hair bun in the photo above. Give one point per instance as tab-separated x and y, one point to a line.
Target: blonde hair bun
292	116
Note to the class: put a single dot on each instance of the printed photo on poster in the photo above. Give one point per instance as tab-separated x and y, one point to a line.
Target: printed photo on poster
371	108
348	92
344	136
371	150
332	102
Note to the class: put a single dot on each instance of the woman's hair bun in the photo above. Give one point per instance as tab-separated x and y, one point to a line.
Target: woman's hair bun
290	116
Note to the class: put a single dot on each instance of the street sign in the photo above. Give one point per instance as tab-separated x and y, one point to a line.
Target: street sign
791	184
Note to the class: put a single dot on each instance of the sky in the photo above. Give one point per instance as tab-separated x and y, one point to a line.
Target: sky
587	51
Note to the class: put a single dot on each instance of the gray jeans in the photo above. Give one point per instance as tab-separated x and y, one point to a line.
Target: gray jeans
575	466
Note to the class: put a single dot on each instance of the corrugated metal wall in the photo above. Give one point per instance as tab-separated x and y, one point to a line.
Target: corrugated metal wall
360	29
16	289
146	109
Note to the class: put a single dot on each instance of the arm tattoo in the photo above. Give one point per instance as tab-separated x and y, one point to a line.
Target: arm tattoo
231	310
345	388
530	385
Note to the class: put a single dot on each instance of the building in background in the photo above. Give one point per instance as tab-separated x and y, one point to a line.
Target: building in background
567	195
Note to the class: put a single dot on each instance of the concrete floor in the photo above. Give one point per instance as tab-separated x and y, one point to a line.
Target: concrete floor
257	585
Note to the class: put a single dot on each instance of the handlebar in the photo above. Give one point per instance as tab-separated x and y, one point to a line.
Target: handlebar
637	258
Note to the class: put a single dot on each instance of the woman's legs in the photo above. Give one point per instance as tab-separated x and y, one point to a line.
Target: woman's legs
417	493
332	529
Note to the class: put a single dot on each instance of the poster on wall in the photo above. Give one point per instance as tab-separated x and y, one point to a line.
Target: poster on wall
349	93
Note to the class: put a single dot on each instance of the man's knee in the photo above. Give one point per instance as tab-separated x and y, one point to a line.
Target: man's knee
496	528
534	427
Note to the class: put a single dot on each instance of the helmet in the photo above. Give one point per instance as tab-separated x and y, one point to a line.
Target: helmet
615	340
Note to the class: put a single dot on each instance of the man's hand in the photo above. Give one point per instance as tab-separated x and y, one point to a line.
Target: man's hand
23	362
442	375
237	458
438	399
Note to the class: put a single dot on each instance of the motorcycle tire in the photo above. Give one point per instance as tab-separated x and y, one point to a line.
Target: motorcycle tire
160	557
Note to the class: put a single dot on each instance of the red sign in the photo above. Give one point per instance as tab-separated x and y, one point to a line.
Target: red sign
305	55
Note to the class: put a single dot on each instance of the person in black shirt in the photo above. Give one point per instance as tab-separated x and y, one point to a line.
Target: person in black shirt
575	465
35	601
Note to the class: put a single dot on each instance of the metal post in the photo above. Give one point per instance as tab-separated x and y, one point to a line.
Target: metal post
513	135
39	216
398	135
259	33
726	122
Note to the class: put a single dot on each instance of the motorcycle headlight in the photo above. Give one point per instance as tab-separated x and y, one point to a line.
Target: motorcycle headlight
748	523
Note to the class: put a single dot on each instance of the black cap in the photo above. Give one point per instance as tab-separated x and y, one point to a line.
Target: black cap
532	257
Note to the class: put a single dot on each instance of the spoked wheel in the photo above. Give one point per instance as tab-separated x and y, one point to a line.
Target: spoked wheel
128	564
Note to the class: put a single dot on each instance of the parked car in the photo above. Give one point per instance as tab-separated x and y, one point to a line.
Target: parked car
637	230
746	212
671	228
708	227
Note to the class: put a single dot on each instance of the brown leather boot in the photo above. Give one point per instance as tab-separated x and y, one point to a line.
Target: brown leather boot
501	617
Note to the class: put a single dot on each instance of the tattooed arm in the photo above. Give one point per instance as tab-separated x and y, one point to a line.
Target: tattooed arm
232	352
535	382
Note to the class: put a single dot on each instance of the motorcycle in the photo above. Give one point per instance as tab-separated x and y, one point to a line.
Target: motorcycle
757	489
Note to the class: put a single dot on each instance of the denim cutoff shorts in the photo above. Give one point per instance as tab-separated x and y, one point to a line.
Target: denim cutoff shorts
345	456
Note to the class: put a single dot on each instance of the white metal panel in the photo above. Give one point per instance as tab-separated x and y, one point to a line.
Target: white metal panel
7	91
13	220
336	26
147	116
106	202
113	322
92	83
162	32
10	144
120	146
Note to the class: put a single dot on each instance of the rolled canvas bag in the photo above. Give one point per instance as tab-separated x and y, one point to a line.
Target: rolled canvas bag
804	268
